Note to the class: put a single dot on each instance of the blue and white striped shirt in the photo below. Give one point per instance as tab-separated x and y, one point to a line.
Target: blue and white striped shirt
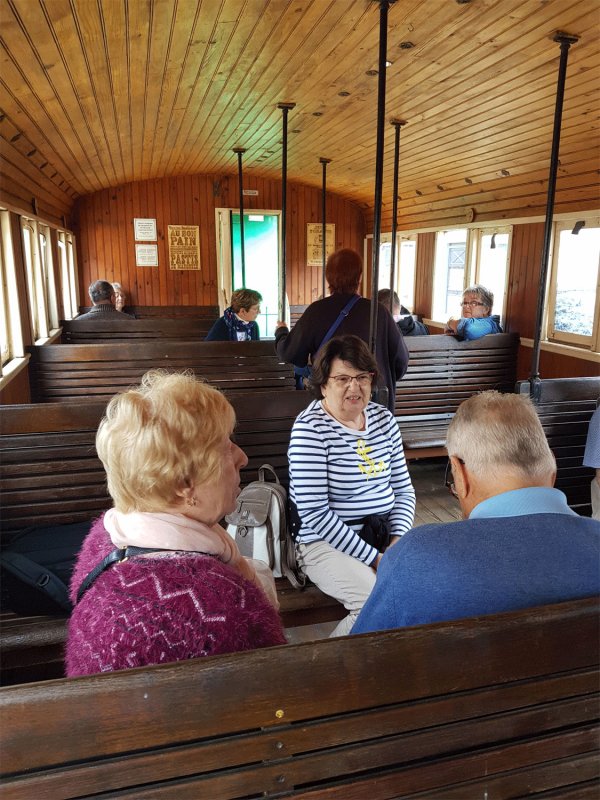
338	474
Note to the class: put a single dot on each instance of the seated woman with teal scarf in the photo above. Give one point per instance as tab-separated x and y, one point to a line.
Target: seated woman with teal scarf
238	323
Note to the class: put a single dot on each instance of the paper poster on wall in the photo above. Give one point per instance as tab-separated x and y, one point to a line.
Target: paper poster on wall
184	247
146	255
144	230
314	242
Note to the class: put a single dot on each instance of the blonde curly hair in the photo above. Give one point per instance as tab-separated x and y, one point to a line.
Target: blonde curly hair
162	437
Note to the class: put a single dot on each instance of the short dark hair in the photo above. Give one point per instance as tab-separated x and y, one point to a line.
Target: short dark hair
100	292
343	271
347	348
244	298
383	297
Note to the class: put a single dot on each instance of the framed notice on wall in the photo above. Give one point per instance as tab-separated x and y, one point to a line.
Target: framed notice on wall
184	247
314	242
144	230
146	255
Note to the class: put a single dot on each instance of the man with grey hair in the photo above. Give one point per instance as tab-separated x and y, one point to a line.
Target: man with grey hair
102	296
520	545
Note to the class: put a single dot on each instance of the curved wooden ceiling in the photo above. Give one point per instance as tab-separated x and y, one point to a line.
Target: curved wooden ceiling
97	93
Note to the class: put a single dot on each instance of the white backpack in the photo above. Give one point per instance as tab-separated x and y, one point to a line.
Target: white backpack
259	527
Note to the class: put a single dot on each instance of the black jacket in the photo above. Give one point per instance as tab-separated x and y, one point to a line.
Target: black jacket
304	340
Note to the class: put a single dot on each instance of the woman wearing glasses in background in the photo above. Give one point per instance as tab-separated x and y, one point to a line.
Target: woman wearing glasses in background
350	491
475	321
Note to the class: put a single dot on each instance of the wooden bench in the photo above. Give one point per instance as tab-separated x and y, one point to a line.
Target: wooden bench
565	407
295	314
50	474
207	313
443	372
97	371
491	707
112	328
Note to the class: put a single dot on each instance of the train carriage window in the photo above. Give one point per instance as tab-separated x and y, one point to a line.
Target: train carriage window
466	256
67	272
47	272
11	338
41	288
492	255
574	293
406	254
450	271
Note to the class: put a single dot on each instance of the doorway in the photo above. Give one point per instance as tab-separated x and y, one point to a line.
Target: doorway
262	261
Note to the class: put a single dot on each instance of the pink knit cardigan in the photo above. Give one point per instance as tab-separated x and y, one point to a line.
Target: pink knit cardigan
155	610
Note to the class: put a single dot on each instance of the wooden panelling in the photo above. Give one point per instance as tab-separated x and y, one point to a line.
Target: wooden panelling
555	365
112	93
104	228
523	278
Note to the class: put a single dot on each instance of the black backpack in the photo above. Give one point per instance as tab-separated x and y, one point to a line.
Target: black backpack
36	568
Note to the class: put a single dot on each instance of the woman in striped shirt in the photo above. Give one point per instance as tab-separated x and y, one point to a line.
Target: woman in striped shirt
346	464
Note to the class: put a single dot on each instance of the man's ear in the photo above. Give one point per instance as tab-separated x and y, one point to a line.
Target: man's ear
462	485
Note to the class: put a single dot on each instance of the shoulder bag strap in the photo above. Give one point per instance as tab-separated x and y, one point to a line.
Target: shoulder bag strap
341	316
114	557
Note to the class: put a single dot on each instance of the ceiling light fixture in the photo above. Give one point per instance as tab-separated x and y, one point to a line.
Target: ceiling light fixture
371	72
406	45
317	113
389	63
344	94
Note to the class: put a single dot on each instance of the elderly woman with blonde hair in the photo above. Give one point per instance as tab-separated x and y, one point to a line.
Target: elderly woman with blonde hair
158	579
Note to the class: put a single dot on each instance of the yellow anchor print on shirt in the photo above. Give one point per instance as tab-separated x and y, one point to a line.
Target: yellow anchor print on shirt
370	468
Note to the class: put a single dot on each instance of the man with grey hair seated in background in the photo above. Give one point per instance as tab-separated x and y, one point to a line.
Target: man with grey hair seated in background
520	545
102	296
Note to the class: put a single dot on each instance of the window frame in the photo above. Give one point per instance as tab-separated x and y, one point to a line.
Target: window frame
10	295
580	341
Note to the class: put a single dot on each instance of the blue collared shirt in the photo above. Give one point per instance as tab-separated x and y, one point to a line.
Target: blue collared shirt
517	502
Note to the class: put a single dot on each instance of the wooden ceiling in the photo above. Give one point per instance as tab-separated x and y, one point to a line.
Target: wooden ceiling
97	93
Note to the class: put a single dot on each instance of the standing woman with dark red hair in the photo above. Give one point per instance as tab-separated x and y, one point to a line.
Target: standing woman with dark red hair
344	272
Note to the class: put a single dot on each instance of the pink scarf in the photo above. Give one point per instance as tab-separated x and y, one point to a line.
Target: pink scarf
167	531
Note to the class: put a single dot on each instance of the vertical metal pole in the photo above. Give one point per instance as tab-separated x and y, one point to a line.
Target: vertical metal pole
324	162
240	151
383	20
397	123
565	40
285	107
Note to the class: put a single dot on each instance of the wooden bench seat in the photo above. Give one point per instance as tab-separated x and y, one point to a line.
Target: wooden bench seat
565	407
500	706
108	328
442	372
97	371
50	474
207	313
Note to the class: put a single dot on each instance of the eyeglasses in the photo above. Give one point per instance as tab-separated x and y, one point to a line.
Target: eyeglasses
472	303
363	379
449	478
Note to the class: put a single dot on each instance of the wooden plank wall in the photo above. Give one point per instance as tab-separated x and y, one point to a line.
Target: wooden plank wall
104	227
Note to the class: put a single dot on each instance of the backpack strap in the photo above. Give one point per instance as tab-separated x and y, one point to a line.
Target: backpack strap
37	576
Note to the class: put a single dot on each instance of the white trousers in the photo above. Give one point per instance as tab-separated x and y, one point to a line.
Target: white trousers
340	576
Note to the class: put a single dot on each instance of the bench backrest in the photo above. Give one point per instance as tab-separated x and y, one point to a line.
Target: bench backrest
111	328
208	313
565	407
98	371
50	473
442	372
461	709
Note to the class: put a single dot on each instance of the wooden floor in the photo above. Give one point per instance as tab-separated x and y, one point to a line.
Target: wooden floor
434	504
